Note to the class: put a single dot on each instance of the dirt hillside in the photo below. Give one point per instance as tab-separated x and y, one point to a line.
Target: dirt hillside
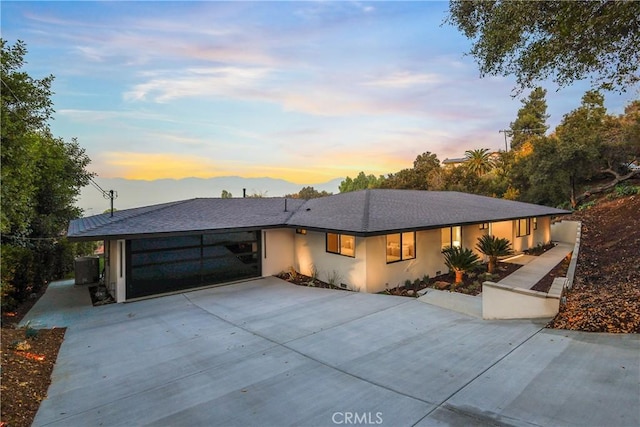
606	292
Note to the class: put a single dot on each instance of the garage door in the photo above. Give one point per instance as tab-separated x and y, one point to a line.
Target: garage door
168	264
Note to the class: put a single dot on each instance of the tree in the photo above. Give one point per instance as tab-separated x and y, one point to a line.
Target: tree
580	136
308	193
425	175
41	179
26	108
562	40
226	195
478	161
532	119
493	247
460	260
361	182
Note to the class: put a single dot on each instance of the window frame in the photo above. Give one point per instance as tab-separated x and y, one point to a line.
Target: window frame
527	223
442	246
402	257
534	220
340	247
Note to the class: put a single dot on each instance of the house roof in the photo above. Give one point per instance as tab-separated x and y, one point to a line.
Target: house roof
366	212
186	216
381	211
455	160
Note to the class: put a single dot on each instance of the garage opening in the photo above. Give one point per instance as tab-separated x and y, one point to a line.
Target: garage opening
167	264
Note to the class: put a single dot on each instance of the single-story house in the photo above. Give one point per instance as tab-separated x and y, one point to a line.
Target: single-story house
364	240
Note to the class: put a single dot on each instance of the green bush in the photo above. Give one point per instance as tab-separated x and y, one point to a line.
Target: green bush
622	190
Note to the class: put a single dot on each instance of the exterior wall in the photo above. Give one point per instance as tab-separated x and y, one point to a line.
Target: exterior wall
277	250
429	261
543	234
504	230
116	269
470	235
565	231
311	253
507	229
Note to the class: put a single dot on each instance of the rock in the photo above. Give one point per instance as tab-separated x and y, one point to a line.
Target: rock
441	285
411	293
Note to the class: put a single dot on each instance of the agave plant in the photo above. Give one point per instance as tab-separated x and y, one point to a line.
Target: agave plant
460	260
493	247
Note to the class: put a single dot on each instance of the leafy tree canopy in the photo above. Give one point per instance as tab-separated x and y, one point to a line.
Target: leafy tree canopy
41	179
308	193
562	40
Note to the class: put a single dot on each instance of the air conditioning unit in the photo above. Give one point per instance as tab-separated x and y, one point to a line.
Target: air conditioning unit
87	270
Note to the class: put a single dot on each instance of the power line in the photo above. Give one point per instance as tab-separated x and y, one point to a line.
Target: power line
111	194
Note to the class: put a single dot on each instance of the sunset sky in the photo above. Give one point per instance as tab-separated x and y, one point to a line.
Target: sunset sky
303	91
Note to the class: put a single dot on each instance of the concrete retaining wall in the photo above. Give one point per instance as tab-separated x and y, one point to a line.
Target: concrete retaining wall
506	302
572	232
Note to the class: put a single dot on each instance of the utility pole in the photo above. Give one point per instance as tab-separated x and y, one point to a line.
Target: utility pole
510	132
505	131
111	195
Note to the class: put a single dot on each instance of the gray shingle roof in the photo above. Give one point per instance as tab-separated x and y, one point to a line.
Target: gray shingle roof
361	212
379	211
186	216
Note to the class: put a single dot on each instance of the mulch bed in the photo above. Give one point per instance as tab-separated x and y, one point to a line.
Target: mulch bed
606	292
303	280
28	358
471	284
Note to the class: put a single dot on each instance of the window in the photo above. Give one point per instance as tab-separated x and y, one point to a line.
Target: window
484	226
301	231
535	223
452	236
342	244
401	246
524	227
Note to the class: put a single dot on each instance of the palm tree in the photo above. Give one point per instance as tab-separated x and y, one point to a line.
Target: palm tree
493	247
460	260
478	161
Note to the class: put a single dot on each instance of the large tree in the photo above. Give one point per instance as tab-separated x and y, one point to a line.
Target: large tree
531	121
562	40
41	179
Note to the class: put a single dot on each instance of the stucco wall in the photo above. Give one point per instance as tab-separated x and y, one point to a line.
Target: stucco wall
429	261
118	269
470	235
565	231
310	253
277	250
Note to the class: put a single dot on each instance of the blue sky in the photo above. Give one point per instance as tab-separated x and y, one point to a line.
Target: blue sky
304	91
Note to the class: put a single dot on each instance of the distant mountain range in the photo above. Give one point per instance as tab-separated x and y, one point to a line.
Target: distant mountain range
135	193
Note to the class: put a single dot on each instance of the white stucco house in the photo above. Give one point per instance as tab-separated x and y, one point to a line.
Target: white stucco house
364	239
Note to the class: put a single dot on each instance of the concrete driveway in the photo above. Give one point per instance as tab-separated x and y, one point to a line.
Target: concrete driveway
269	353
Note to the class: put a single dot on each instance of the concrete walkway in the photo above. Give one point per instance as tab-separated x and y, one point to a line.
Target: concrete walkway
269	353
534	270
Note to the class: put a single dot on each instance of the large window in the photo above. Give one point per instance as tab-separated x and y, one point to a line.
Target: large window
342	244
401	246
452	236
523	227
